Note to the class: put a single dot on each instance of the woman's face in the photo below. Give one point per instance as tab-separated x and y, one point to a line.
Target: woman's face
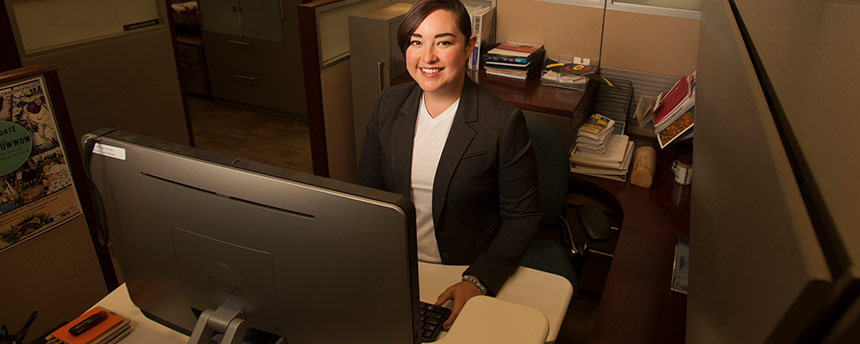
437	54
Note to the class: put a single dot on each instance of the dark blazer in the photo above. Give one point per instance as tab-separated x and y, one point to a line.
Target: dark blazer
485	193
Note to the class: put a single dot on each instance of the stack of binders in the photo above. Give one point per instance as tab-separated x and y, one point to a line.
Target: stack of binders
96	326
483	26
600	153
514	60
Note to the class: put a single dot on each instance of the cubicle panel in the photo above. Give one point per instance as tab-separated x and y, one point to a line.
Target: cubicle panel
137	112
107	70
757	272
109	84
55	273
809	53
337	105
49	24
647	42
564	29
104	65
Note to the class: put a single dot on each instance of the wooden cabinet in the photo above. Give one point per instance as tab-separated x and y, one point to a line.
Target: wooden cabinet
253	55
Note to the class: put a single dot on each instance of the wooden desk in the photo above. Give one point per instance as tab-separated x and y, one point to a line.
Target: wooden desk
526	94
637	305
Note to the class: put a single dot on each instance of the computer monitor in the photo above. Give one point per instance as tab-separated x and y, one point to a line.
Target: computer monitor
310	259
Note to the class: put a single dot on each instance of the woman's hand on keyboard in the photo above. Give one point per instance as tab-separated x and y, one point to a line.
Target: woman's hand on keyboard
459	293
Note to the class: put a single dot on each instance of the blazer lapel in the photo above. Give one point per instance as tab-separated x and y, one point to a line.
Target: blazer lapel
403	138
459	138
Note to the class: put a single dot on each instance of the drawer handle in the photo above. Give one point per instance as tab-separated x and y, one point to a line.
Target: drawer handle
242	43
244	77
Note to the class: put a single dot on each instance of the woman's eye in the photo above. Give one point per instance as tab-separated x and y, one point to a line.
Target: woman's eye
415	43
446	43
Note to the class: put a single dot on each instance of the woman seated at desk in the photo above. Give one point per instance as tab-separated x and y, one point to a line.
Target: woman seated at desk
462	155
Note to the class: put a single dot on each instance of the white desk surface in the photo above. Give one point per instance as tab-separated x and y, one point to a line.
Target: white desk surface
528	309
548	293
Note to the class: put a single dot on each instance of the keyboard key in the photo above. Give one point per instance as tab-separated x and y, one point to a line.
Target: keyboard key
431	318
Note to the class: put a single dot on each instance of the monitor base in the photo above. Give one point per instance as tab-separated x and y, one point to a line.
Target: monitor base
221	321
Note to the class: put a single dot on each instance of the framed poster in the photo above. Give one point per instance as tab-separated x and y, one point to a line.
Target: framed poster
37	191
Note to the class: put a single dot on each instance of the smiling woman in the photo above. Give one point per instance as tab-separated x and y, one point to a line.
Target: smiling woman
436	53
460	153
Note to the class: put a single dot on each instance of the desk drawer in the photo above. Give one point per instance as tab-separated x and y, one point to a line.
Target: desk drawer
255	89
250	55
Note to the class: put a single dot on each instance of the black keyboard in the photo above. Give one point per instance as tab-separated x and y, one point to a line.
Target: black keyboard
431	320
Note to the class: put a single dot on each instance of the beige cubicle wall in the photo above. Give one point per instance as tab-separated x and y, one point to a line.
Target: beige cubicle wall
650	43
112	75
659	44
564	29
55	273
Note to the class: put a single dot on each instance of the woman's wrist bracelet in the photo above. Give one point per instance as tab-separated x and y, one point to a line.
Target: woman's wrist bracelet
476	282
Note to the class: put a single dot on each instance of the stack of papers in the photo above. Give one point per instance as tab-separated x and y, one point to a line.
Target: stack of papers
567	75
613	163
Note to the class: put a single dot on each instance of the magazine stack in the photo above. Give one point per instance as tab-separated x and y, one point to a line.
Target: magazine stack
674	113
514	59
600	153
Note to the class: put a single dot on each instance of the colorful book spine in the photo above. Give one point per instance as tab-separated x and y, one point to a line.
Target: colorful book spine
507	59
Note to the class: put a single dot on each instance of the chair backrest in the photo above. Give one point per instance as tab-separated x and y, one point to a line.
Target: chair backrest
553	168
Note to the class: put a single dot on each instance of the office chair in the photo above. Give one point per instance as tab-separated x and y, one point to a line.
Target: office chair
555	256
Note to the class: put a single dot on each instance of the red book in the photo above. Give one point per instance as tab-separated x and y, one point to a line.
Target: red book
669	101
516	49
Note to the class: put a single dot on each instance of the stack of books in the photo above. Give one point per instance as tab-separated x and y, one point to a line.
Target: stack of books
594	133
600	153
514	59
96	326
674	113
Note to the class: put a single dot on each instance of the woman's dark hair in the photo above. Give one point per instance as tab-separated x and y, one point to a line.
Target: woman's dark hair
421	9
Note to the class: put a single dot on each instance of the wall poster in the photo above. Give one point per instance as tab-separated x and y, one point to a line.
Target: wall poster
36	188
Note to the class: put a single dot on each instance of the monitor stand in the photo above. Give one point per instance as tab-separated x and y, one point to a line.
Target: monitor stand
223	320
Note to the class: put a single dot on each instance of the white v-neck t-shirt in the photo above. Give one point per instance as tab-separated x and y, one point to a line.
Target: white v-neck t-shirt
430	136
